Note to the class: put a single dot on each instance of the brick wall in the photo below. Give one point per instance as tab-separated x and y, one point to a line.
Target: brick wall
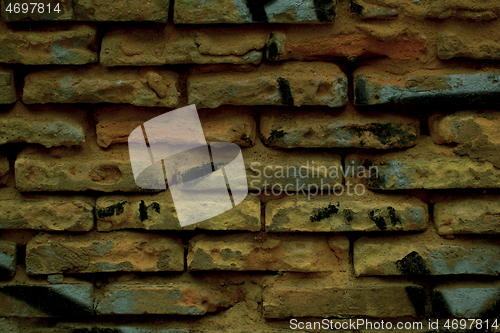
408	89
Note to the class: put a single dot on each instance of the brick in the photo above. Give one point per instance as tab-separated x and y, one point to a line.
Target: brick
371	11
171	44
48	126
342	213
64	169
231	11
8	259
172	299
466	300
122	10
443	9
246	252
467	215
322	129
95	84
379	299
225	124
474	132
425	166
289	171
417	256
157	212
373	86
42	300
54	213
304	43
290	83
65	14
451	45
470	10
110	252
7	89
71	45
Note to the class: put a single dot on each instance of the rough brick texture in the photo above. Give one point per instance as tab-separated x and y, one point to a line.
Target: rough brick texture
55	213
268	253
47	126
464	215
72	45
175	45
412	169
284	299
157	212
327	130
291	83
370	212
114	252
141	87
419	257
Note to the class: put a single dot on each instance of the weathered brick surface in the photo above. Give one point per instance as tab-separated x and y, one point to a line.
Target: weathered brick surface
233	11
225	124
322	129
157	212
444	86
7	89
70	45
106	252
417	256
177	45
78	169
453	45
475	132
323	44
369	212
378	299
425	166
95	84
48	126
248	252
179	299
42	300
54	213
122	10
443	9
65	14
290	83
8	259
286	172
468	215
478	300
